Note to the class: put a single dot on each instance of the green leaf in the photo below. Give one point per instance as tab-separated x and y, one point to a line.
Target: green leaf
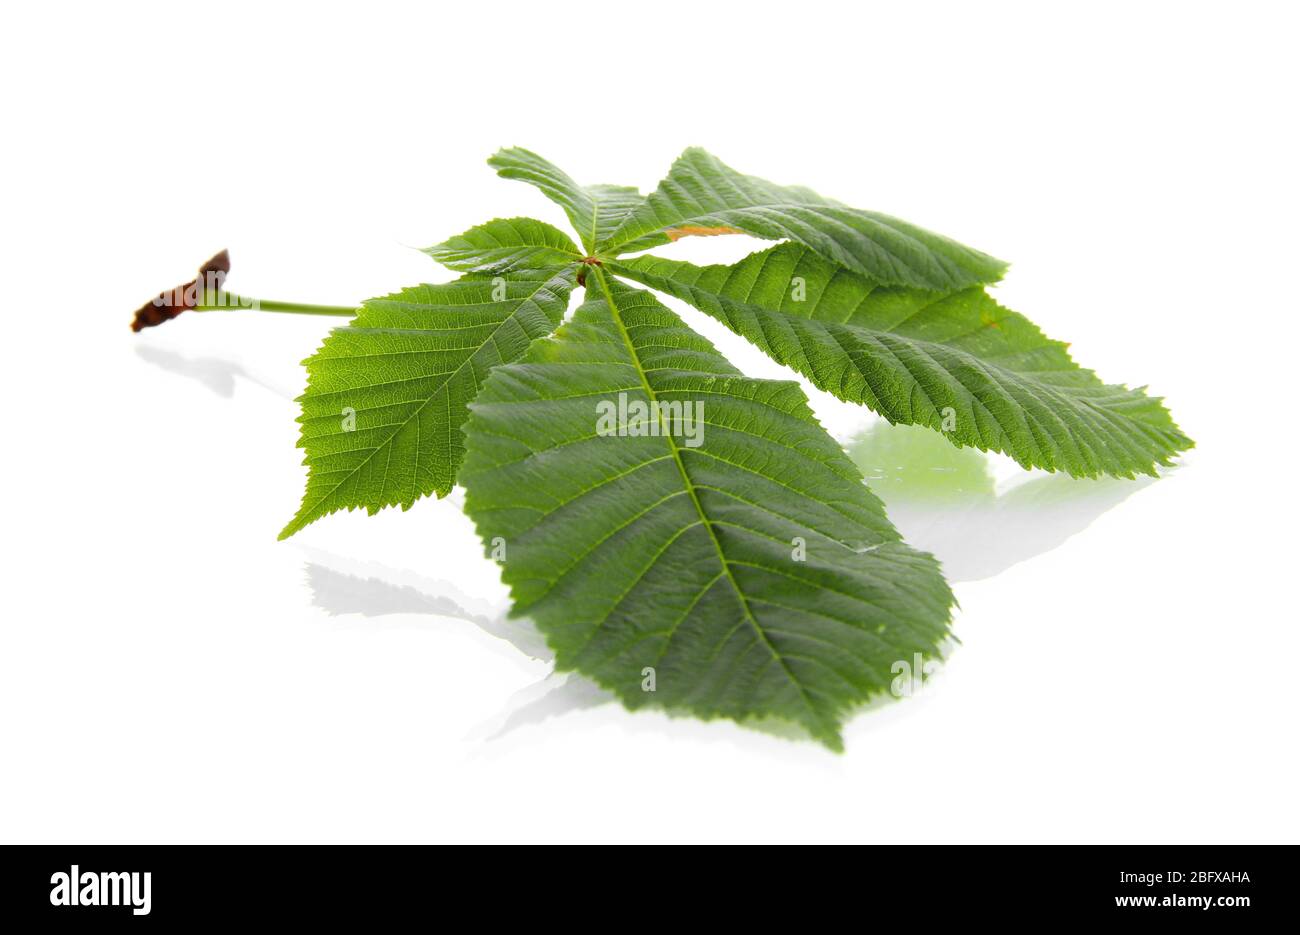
386	396
594	210
910	355
675	549
702	195
505	244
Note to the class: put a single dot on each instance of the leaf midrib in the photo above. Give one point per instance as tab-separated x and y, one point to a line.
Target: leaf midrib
595	213
695	501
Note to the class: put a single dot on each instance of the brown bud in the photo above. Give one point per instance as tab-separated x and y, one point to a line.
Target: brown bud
167	305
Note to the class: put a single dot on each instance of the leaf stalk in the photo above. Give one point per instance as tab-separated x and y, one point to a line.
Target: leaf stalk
232	302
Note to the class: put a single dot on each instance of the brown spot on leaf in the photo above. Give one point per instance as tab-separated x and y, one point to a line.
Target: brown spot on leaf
167	305
693	230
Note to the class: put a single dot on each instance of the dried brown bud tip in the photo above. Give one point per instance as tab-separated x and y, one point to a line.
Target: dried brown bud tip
167	305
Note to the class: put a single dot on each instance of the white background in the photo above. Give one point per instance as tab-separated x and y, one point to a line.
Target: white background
168	673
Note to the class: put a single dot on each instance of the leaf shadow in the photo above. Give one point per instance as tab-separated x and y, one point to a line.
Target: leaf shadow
218	374
943	499
340	587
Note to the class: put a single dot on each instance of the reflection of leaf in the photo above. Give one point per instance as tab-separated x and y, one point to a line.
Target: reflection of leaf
558	694
908	462
1046	493
943	500
635	551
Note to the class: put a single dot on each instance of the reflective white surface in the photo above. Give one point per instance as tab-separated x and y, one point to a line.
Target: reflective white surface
171	672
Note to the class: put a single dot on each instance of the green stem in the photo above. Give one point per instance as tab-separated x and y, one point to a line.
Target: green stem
230	302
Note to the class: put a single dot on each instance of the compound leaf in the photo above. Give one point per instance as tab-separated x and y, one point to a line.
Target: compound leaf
505	244
729	554
386	396
594	210
701	195
910	355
